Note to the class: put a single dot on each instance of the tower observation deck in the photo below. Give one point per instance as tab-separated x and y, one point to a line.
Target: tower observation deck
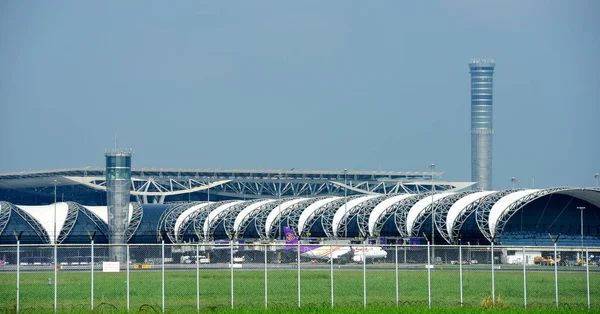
482	77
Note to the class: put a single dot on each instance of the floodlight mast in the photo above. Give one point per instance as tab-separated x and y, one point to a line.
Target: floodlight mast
432	166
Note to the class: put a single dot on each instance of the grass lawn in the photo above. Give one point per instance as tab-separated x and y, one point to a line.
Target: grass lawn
110	293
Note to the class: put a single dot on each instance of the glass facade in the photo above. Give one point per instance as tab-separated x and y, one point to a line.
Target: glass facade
482	78
118	185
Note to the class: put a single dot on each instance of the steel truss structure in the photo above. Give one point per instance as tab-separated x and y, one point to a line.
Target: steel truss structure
467	211
32	222
487	213
482	212
160	185
292	214
518	205
441	209
325	214
198	219
259	217
400	212
230	215
362	213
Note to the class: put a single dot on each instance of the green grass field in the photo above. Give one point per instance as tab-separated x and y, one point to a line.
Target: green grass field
74	290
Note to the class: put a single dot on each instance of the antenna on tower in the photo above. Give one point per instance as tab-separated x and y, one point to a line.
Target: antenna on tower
115	141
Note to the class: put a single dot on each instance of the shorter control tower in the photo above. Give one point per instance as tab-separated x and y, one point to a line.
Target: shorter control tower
118	185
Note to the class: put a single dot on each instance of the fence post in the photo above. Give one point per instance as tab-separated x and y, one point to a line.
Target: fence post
428	274
92	272
128	281
231	268
587	275
19	273
555	268
524	280
198	277
331	272
55	275
460	272
365	272
555	275
162	273
266	280
298	265
493	281
396	262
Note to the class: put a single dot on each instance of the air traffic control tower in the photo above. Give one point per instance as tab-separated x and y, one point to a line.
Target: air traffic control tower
482	131
118	184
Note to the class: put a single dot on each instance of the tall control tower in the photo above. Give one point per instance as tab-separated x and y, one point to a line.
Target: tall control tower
118	184
482	77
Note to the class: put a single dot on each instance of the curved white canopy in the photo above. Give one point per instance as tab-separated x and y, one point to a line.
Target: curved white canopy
457	209
246	211
100	212
274	214
381	207
215	212
346	208
45	217
419	207
311	209
502	204
186	213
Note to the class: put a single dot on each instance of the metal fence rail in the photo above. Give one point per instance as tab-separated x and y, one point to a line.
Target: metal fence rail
194	277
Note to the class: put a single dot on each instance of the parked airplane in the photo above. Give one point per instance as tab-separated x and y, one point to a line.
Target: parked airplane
342	253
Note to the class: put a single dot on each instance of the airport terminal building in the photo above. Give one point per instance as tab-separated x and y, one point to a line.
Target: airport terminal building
189	206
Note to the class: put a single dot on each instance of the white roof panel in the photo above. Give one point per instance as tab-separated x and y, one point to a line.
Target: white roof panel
186	213
215	212
381	207
45	217
502	204
419	207
311	209
100	211
341	212
246	211
275	212
457	209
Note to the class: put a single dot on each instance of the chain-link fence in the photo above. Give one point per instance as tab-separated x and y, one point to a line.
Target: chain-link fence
193	277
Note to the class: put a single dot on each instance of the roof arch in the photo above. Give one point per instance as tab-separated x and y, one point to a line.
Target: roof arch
199	218
280	210
310	212
380	209
213	215
181	218
442	208
505	208
43	215
420	210
459	211
243	215
348	209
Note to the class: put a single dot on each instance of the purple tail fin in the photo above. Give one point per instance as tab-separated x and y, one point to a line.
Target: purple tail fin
290	237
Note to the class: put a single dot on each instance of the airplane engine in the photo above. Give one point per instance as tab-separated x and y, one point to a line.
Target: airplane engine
357	258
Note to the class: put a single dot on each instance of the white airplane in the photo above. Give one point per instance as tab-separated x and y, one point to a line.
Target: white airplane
337	252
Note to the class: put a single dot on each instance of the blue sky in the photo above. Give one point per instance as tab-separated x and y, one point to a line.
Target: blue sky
300	84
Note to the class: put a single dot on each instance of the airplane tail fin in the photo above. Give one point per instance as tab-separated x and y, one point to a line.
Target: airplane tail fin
290	238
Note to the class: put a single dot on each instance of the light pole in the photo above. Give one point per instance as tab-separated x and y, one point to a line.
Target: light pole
596	176
279	210
346	205
581	208
208	192
55	254
513	180
432	166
